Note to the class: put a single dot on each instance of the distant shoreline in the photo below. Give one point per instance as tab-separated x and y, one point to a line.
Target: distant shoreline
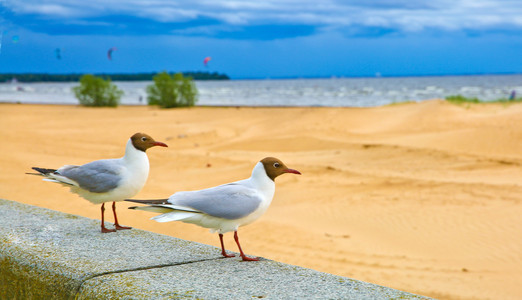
74	77
147	76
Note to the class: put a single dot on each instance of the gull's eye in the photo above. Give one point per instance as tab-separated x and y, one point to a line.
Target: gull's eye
143	139
276	165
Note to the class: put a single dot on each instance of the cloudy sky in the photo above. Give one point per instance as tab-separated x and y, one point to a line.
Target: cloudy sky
263	38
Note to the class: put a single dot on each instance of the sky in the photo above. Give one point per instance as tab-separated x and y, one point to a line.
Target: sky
263	39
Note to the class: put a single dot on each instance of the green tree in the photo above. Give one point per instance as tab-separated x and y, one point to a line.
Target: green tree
172	91
95	91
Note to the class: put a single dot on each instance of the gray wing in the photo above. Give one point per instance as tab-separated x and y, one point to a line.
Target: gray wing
229	201
97	177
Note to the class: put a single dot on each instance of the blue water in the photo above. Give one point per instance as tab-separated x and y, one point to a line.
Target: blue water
348	92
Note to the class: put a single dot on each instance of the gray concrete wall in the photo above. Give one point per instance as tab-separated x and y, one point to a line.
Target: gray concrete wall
45	254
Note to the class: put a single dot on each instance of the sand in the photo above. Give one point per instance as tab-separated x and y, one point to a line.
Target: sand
422	197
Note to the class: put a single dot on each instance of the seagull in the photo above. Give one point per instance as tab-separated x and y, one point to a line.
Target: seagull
223	208
107	180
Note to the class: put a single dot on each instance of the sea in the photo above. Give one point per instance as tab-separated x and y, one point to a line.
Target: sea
328	92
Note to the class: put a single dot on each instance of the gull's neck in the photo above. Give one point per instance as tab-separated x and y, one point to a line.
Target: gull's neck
133	155
261	181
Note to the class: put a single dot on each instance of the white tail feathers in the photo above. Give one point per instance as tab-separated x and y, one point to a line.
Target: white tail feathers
60	179
156	209
169	212
174	215
51	180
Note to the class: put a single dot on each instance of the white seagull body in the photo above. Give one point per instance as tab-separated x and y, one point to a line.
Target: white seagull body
108	180
226	207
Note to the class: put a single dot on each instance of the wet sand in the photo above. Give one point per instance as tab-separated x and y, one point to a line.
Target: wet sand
422	197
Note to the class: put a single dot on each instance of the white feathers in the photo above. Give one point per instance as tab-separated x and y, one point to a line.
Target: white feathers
156	209
53	177
174	216
52	180
169	212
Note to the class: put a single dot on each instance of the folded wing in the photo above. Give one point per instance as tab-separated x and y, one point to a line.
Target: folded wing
228	201
96	177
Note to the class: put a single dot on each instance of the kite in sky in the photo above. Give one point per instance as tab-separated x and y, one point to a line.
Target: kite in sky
58	53
109	53
206	60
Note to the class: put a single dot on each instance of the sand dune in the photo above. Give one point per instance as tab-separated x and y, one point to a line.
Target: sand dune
423	197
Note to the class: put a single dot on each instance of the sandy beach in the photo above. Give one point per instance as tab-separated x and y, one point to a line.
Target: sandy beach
423	197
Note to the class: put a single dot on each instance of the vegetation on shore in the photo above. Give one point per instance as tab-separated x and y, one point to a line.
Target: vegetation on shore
43	77
96	91
459	99
172	91
167	91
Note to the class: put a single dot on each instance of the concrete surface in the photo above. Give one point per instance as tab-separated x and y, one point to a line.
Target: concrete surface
46	254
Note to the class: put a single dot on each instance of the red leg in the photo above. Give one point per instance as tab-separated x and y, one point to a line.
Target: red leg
116	224
103	229
245	258
223	252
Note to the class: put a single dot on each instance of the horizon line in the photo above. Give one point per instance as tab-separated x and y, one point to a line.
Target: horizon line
377	75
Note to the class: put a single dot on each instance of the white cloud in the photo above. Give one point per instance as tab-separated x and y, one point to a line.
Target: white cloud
402	15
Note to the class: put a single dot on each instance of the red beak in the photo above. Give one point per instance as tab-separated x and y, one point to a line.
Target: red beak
160	144
292	171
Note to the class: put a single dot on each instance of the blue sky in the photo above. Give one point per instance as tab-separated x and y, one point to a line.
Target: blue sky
263	39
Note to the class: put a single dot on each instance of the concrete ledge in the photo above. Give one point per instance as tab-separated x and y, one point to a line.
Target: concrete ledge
47	254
